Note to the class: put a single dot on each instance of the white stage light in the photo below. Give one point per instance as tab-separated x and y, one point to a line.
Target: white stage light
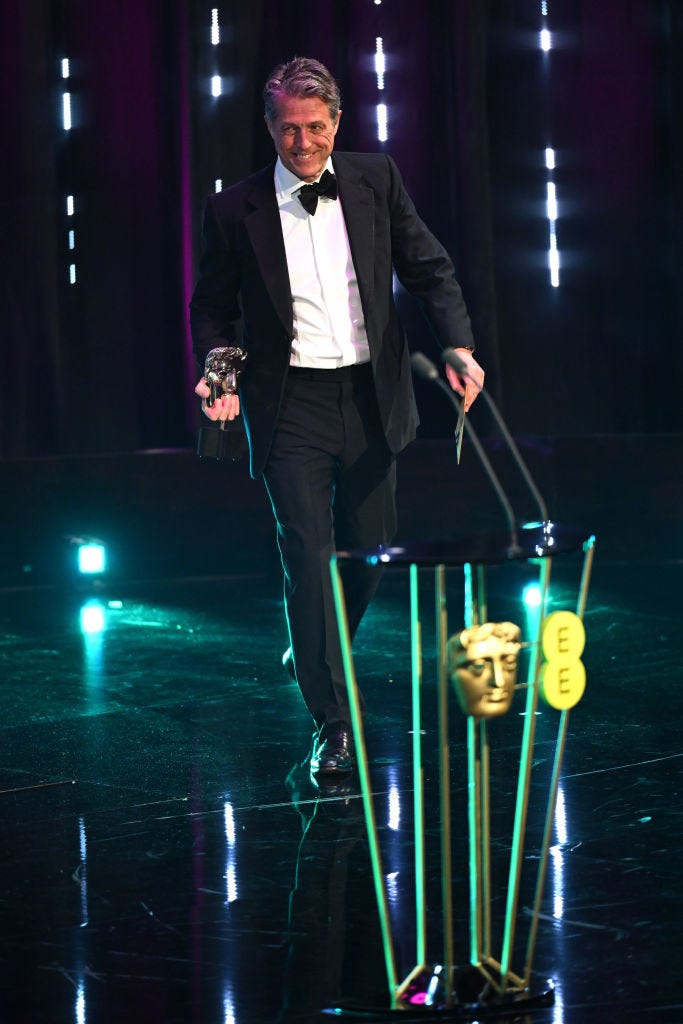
379	62
382	133
532	595
92	558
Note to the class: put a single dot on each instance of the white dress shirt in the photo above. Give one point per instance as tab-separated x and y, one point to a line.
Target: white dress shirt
329	327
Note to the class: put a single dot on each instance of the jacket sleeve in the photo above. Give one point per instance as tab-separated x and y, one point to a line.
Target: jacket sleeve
425	269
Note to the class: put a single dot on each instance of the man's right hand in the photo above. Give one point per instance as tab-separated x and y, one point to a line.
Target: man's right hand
227	407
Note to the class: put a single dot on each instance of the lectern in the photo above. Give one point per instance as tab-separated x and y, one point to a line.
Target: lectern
489	983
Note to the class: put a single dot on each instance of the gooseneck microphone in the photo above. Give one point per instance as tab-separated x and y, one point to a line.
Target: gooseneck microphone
425	368
450	356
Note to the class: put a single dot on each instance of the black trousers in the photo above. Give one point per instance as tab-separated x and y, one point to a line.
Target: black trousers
331	480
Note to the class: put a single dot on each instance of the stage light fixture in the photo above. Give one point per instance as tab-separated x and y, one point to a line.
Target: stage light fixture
382	133
545	42
554	261
380	64
66	111
218	184
216	85
92	558
531	595
72	239
215	29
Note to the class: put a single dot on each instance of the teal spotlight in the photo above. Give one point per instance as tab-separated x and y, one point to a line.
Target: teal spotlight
92	558
531	595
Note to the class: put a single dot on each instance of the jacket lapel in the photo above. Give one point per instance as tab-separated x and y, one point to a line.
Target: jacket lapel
263	226
358	201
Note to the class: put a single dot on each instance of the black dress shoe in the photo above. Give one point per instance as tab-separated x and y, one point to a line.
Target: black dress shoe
340	785
333	751
288	663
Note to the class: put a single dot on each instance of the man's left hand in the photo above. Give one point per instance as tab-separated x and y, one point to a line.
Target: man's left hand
467	385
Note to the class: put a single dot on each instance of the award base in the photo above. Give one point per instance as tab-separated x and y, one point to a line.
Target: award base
470	997
228	444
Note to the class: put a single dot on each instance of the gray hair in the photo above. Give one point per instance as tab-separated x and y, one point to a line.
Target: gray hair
301	77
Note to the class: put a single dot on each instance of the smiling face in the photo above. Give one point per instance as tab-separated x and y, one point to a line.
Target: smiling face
303	133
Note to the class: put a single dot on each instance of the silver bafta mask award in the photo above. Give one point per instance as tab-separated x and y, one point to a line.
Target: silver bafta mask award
222	370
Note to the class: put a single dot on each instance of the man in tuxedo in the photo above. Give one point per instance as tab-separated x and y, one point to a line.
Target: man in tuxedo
298	270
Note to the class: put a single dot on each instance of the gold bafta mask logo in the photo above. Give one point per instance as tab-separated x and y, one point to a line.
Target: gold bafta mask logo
482	665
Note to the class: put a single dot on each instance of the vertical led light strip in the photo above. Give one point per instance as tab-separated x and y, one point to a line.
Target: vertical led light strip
66	97
551	212
380	68
546	43
67	124
72	238
216	80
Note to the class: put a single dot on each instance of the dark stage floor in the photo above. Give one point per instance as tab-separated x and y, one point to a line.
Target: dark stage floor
165	857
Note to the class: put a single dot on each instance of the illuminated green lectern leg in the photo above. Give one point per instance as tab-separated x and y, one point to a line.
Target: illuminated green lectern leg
396	988
562	686
444	785
364	778
508	980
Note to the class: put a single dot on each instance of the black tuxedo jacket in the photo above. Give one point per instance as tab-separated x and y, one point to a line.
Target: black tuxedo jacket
243	293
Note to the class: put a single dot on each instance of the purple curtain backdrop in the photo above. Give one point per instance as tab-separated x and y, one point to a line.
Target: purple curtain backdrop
103	365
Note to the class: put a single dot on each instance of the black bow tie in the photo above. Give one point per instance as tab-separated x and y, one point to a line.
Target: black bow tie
327	186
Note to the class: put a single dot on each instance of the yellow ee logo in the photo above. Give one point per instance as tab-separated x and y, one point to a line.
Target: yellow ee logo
563	675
